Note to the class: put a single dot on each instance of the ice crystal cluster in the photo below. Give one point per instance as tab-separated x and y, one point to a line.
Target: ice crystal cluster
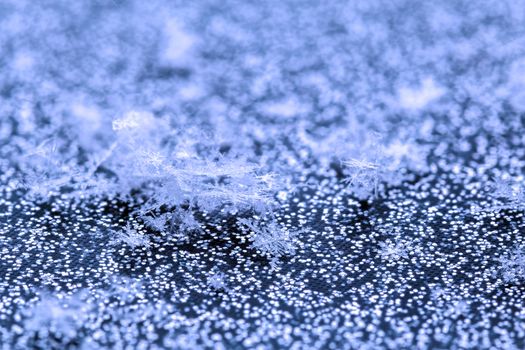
262	174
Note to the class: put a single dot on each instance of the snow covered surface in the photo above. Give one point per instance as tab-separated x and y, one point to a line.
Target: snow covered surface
275	174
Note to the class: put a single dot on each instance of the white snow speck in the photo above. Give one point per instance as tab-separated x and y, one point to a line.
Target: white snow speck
414	99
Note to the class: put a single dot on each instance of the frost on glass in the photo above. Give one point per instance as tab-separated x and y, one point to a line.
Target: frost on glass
274	174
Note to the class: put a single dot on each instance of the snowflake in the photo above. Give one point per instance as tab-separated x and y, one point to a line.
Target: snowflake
132	237
274	263
511	193
512	267
47	278
393	251
217	281
270	238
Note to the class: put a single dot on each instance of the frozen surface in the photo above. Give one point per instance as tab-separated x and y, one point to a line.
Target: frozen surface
266	175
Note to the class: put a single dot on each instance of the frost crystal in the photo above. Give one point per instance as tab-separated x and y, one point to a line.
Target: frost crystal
393	251
512	266
132	237
217	281
269	238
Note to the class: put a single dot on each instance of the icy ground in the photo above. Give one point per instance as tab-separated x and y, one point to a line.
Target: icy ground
262	174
